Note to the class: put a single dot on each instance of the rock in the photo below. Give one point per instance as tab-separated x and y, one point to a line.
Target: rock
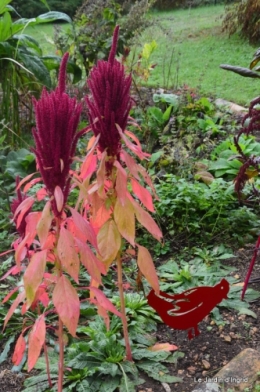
205	364
207	387
242	371
230	105
227	338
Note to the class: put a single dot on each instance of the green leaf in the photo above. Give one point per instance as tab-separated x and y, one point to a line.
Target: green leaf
36	66
44	18
110	385
5	26
5	353
3	5
247	311
28	42
167	113
241	71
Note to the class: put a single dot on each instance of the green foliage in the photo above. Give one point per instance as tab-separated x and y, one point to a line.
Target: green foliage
90	38
203	267
243	16
23	70
196	212
33	7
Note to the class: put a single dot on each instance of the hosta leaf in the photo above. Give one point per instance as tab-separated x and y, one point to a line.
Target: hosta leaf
35	65
66	302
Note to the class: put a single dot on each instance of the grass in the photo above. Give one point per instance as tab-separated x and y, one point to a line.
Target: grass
191	47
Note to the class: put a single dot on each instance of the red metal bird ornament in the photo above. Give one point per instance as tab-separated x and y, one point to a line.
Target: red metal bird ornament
186	310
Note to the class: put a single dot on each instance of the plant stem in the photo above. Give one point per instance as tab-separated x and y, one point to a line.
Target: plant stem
47	364
122	303
250	269
61	356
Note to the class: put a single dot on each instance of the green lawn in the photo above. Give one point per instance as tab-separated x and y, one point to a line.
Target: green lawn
198	45
191	46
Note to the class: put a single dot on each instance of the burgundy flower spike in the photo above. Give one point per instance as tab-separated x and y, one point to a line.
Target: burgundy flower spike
110	101
56	136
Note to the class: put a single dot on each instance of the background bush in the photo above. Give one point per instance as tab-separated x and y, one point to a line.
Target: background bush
30	8
243	17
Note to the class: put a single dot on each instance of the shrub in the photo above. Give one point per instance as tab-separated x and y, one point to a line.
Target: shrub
243	17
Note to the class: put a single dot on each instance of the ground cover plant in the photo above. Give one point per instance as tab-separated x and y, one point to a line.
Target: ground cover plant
102	203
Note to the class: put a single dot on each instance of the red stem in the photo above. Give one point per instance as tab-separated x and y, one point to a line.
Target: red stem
47	364
250	269
122	303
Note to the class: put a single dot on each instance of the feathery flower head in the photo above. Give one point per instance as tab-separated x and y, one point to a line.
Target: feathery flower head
57	119
110	101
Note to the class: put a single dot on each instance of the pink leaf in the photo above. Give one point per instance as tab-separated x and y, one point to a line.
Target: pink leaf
24	180
104	302
9	295
67	254
12	271
163	347
146	220
109	242
121	183
84	226
31	223
101	217
143	195
146	265
34	274
133	147
20	297
125	220
93	265
41	194
21	251
131	164
136	140
36	341
22	209
66	302
59	198
89	166
147	179
103	313
19	350
31	183
44	224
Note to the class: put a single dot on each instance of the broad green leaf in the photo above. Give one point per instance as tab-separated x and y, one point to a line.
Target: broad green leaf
247	312
35	65
146	265
3	5
35	342
28	42
125	220
34	274
167	113
109	242
66	301
5	27
44	18
67	253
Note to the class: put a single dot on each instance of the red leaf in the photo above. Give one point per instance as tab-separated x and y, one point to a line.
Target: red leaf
41	193
143	195
101	217
146	265
89	166
84	226
21	251
125	220
19	350
131	164
66	302
22	209
34	274
163	347
24	180
147	179
31	223
93	265
31	183
104	302
133	147
20	297
12	271
44	224
121	183
35	342
59	198
146	220
109	242
9	295
103	313
67	254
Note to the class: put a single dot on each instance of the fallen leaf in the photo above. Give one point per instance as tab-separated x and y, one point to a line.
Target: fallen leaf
205	364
